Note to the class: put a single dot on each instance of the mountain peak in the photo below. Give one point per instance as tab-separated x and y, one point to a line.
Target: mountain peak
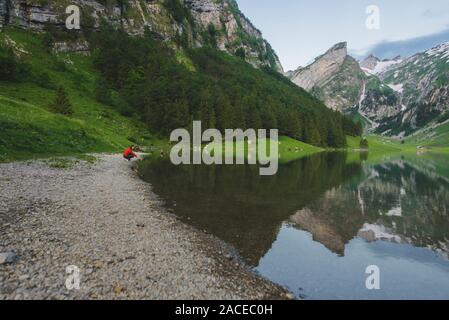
369	62
340	49
339	46
322	68
372	56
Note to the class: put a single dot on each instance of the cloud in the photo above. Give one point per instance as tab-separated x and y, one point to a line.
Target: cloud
431	14
405	48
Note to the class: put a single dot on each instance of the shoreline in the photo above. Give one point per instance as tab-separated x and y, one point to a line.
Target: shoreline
102	218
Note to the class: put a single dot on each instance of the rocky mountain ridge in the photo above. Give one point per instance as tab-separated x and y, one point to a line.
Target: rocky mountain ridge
395	96
374	66
321	69
192	23
422	83
337	79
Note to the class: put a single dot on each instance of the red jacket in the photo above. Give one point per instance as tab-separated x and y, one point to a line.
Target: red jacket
129	152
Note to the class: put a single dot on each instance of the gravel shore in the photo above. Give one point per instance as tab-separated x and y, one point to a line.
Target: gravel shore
104	220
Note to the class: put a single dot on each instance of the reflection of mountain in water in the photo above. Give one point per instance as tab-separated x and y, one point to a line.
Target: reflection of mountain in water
333	219
238	205
322	194
392	202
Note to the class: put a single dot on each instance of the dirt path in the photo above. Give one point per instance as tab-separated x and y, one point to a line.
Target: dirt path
104	220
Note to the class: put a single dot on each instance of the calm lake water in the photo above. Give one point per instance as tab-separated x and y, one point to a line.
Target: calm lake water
321	221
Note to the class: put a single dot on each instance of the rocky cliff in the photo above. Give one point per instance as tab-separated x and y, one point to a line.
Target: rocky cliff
333	77
322	69
375	66
369	62
396	96
422	83
192	23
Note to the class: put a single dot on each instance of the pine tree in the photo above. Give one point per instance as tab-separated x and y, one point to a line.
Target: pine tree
268	117
223	112
253	120
315	138
364	143
103	92
62	103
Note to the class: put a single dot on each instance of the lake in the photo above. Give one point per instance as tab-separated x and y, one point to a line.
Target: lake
319	223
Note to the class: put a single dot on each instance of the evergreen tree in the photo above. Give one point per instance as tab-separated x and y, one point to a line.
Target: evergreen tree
240	52
62	103
364	143
315	138
206	111
223	112
11	67
268	117
103	92
252	117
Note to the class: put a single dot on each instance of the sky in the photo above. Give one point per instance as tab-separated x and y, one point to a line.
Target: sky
300	30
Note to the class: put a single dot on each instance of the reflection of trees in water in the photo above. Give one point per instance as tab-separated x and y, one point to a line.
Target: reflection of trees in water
393	202
240	206
321	194
411	203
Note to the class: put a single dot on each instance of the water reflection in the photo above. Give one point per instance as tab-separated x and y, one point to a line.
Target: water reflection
392	202
240	206
276	222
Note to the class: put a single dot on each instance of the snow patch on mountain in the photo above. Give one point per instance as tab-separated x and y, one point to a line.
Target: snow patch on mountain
441	51
399	88
382	66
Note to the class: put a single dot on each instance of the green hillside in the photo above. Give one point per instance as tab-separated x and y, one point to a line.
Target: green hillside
27	126
144	76
376	144
432	137
134	90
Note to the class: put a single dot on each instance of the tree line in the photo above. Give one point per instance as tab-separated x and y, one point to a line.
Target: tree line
141	75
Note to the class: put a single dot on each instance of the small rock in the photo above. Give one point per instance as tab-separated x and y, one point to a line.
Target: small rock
289	296
7	257
24	277
118	290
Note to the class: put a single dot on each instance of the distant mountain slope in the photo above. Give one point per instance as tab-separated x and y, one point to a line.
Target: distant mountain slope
422	82
434	135
333	77
394	97
321	69
337	79
374	66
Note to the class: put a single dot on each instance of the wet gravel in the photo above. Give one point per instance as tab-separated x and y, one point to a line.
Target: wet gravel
102	219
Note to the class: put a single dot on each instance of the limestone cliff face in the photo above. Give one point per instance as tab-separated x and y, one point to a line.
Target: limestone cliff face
369	62
197	22
3	12
422	84
322	69
334	77
344	85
